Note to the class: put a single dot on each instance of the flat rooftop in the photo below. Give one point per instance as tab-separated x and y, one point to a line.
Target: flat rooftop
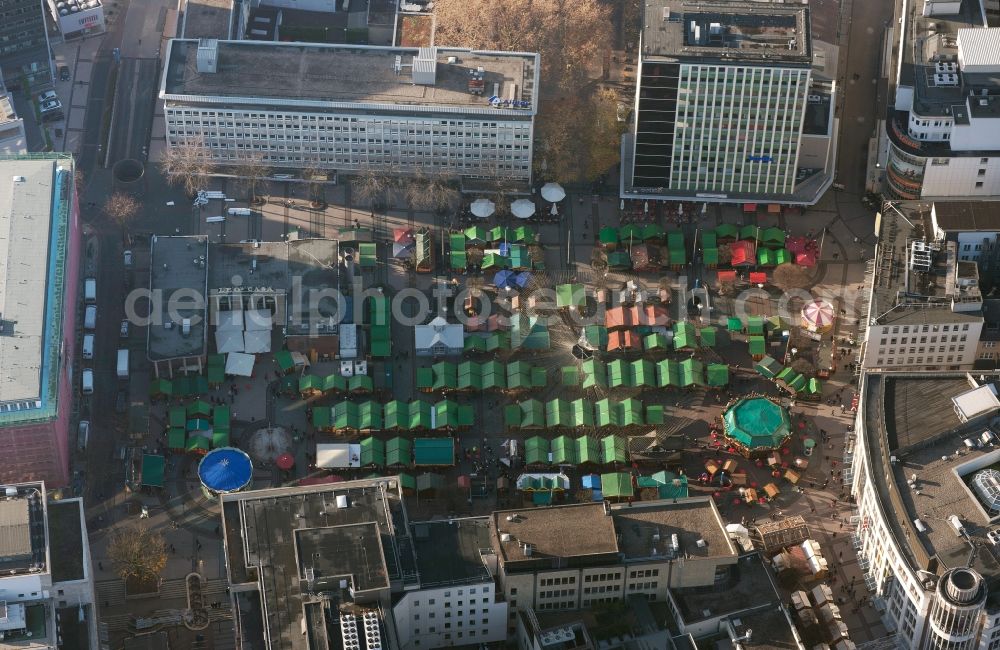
32	240
450	551
891	403
332	76
965	216
691	519
178	269
557	532
207	19
745	587
761	32
272	536
66	533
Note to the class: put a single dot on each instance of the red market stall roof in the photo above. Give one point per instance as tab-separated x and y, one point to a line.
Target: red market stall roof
758	277
805	258
727	276
749	207
623	339
774	208
743	252
285	462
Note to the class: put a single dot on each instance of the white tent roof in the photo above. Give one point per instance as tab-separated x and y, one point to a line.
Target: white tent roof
439	332
338	455
258	320
522	208
239	364
229	321
553	192
228	341
483	208
257	342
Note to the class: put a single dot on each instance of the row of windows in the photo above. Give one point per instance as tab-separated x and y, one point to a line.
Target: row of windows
955	338
602	589
603	577
923	329
569	604
447	635
647	573
892	361
558	593
566	580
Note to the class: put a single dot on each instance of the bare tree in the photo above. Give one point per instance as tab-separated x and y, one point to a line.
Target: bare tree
791	276
569	35
188	163
316	177
602	134
121	208
437	192
137	552
373	184
250	170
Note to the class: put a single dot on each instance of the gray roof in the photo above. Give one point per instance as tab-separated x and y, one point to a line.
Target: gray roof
176	269
965	216
289	535
207	19
15	529
349	76
756	32
571	531
921	314
691	519
449	551
896	405
26	220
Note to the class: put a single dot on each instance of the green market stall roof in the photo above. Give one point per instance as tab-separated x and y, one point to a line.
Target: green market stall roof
617	485
152	470
757	424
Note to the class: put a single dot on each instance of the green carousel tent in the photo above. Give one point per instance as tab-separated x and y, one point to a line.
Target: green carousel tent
757	424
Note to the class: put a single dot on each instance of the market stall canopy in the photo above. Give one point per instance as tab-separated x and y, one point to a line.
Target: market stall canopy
483	208
227	341
257	342
553	192
403	236
239	364
522	208
338	455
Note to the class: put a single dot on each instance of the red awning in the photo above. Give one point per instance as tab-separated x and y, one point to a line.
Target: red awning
758	278
743	252
463	481
774	208
727	276
749	207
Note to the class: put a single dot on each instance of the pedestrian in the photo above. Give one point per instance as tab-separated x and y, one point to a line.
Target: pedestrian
100	565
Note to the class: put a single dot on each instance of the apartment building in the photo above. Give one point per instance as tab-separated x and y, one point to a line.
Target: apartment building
578	556
722	96
447	111
944	113
46	580
24	43
925	306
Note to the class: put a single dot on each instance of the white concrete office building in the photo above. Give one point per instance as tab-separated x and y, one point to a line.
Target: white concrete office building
944	116
721	99
444	111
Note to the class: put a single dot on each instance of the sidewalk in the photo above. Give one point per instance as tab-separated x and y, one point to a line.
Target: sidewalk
78	56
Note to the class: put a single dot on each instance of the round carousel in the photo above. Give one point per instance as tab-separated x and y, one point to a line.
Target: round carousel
225	470
818	316
756	426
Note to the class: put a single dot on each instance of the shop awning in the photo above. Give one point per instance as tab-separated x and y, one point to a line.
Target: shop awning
774	208
749	208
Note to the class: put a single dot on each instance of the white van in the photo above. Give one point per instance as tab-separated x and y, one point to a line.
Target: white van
90	317
88	346
122	370
185	327
83	435
218	219
87	382
90	291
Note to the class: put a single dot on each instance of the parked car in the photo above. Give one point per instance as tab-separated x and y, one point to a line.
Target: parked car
83	434
121	401
50	105
64	73
48	95
128	259
123	332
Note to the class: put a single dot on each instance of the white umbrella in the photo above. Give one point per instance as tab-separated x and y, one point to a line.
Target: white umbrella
522	208
645	206
621	206
483	208
553	192
554	211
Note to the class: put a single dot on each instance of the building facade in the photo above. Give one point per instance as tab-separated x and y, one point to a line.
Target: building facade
438	111
721	98
12	137
24	43
38	205
77	18
944	112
